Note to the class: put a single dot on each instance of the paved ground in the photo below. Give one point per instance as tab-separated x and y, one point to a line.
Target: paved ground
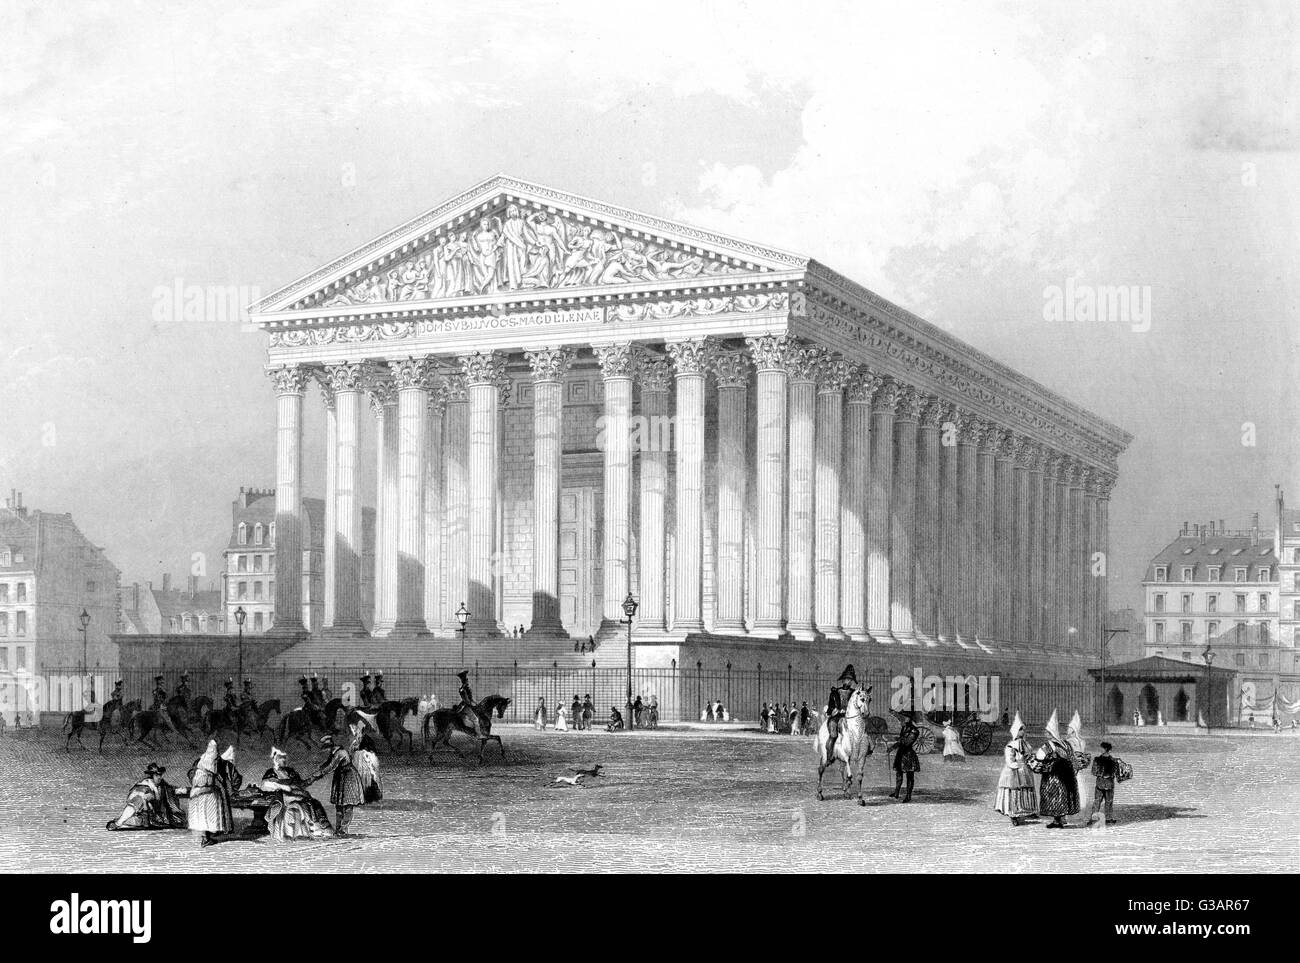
682	801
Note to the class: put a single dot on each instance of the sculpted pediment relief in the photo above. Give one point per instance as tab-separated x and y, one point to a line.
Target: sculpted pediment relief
520	249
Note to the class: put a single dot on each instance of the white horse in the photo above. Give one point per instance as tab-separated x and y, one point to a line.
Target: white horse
851	746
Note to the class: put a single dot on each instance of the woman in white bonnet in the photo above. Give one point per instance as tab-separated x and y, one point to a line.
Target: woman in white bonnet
1017	796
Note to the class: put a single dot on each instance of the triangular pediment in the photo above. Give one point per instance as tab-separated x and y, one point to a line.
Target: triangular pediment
506	236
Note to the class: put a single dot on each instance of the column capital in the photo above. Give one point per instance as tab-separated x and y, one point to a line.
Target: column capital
1002	442
348	376
382	391
412	373
326	389
654	373
1053	465
835	376
291	379
1092	478
482	367
803	362
451	390
933	412
1106	484
1035	457
862	385
549	364
617	360
1076	472
731	368
1024	451
886	396
909	403
769	351
693	356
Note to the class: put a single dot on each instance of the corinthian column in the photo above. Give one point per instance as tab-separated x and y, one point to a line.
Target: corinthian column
853	517
990	441
1089	635
290	383
903	518
879	561
484	372
769	352
1004	535
329	535
549	368
802	363
1101	537
346	382
949	596
690	361
412	377
1064	564
732	372
1036	564
833	377
1075	545
617	362
970	434
434	611
1047	521
457	477
925	589
383	401
655	376
1018	574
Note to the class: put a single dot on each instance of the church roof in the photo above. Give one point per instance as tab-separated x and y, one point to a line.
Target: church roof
1158	668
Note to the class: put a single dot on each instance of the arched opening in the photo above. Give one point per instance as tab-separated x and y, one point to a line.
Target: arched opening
1181	702
1116	704
1149	704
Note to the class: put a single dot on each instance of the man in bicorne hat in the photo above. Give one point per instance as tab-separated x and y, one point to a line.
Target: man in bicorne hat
183	688
377	695
467	708
159	695
367	690
231	701
317	693
836	704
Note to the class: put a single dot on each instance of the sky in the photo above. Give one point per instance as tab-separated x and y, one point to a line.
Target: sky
966	161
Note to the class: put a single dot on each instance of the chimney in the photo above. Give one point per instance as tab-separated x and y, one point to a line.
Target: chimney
167	581
194	586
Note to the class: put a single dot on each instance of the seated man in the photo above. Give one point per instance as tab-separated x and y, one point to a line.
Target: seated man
615	719
152	803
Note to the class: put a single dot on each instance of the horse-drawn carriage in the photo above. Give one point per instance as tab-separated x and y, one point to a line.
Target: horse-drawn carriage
976	734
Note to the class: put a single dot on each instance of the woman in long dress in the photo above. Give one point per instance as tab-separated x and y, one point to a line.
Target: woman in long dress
209	812
561	722
1017	796
1058	792
539	715
952	750
366	760
293	813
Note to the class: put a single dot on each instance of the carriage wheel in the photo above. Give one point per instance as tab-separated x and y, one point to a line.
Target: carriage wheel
925	742
976	737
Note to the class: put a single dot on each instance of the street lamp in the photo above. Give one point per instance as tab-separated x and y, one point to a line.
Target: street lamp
1208	656
1106	636
84	619
462	616
629	609
240	616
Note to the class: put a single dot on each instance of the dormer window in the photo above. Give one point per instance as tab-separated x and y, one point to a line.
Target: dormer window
1187	573
1162	573
243	534
5	557
257	534
1215	571
1240	574
273	533
1262	573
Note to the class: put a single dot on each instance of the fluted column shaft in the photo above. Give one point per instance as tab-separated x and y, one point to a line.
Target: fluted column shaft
549	368
834	376
970	578
949	601
1018	575
926	571
879	568
412	378
800	504
772	397
902	538
986	537
483	372
853	515
1037	563
1102	541
1004	536
435	614
1049	523
330	533
732	372
617	362
1089	634
383	401
290	382
690	362
346	381
655	377
457	480
1077	569
1064	566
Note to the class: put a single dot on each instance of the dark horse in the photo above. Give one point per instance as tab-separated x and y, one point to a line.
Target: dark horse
251	718
114	717
478	724
391	718
147	721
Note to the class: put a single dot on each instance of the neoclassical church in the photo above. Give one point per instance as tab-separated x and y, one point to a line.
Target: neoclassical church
575	403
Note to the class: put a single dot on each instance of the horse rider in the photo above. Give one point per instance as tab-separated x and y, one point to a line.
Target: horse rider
231	701
836	705
467	703
377	696
183	688
317	696
117	692
367	691
159	695
246	697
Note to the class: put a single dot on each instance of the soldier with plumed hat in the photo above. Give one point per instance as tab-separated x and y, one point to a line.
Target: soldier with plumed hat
836	704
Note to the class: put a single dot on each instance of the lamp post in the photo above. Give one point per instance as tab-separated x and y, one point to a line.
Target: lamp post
1106	636
240	616
1208	656
84	619
462	616
629	609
